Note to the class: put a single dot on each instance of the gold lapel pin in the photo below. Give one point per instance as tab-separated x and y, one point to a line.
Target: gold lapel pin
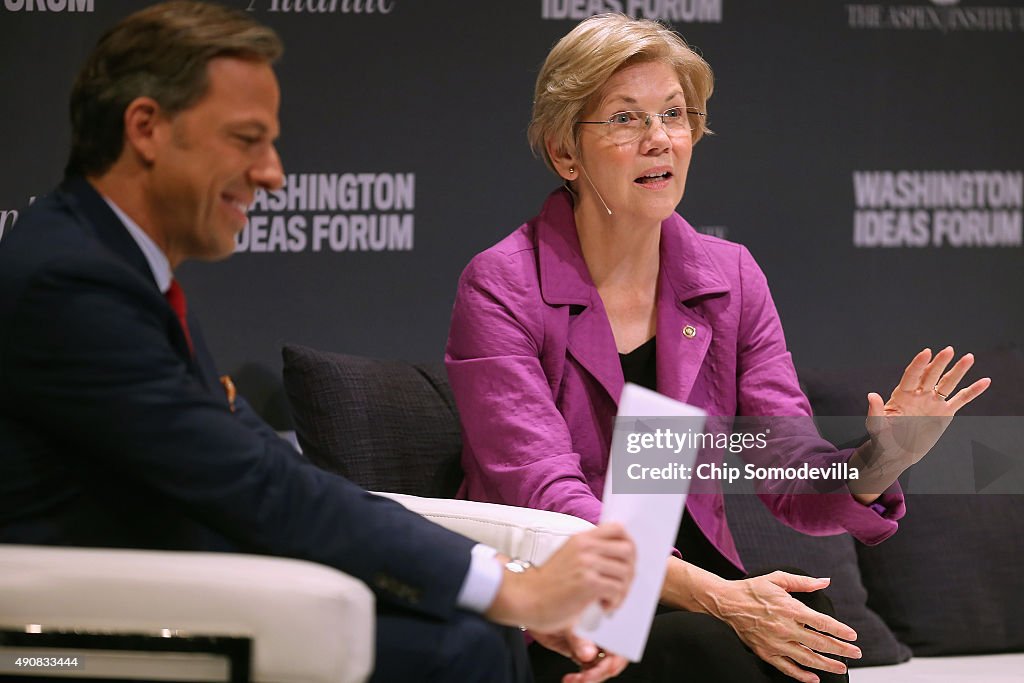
229	389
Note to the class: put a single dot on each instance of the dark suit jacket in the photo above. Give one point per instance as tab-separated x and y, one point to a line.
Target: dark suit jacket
112	434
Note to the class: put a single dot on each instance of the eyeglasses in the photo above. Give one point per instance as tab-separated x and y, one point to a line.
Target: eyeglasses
629	126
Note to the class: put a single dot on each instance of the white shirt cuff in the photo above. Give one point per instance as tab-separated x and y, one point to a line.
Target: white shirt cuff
482	580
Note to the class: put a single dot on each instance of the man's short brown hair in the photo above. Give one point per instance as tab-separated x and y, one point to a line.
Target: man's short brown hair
159	52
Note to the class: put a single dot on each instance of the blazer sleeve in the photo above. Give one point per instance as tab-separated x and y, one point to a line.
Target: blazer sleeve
517	449
767	386
88	353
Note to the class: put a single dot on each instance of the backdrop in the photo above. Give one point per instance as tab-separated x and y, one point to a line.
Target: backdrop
869	155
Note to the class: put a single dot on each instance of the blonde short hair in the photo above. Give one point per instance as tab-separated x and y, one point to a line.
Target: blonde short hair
581	63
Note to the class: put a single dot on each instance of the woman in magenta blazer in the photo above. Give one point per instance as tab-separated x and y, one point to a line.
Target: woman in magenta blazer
609	284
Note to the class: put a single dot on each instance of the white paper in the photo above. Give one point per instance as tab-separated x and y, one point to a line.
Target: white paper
652	520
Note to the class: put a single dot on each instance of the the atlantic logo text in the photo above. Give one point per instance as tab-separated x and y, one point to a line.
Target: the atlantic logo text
704	11
327	6
941	15
48	5
332	212
938	208
8	217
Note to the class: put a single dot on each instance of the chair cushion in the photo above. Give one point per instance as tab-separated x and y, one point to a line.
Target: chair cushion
386	425
308	623
764	542
523	533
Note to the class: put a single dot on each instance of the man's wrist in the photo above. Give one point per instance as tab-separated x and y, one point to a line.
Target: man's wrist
517	566
513	604
483	579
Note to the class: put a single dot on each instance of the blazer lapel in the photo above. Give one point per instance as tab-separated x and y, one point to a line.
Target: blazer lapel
687	275
565	280
683	339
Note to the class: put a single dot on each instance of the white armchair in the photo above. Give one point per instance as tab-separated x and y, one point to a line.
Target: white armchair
180	616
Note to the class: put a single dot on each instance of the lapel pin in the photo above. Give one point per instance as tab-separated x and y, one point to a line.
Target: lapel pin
689	331
229	389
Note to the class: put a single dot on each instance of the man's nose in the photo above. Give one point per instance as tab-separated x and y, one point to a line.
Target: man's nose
268	172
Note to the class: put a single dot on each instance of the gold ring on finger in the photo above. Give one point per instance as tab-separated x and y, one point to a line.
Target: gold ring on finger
944	397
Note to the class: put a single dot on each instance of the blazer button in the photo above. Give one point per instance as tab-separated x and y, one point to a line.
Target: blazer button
689	331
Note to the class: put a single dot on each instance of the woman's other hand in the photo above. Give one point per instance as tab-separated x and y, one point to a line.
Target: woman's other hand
904	428
595	664
771	622
780	629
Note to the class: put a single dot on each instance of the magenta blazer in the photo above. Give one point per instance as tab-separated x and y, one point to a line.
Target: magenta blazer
536	373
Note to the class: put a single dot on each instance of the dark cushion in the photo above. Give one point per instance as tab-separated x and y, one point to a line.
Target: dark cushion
950	581
386	425
764	542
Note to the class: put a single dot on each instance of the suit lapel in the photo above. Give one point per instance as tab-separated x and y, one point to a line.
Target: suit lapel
94	212
202	360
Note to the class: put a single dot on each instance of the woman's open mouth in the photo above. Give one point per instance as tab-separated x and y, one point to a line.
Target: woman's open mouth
655	179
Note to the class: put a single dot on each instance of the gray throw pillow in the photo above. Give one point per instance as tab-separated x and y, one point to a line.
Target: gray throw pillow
386	425
764	542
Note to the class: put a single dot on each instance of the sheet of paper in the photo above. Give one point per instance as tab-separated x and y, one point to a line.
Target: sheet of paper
652	520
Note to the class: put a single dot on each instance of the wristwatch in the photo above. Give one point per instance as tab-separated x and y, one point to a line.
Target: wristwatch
517	566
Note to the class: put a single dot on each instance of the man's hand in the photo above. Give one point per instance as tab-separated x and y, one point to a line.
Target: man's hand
592	565
595	665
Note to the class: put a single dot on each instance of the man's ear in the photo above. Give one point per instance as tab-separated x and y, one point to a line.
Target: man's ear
563	159
142	123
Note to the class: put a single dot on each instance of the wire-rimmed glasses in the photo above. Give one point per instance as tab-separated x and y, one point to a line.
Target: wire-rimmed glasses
625	127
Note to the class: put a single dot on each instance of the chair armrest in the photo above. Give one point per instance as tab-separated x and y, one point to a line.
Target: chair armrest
307	622
532	535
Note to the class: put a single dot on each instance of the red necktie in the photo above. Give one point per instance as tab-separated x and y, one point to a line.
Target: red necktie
176	298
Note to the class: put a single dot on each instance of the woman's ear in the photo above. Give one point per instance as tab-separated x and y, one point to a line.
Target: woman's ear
564	160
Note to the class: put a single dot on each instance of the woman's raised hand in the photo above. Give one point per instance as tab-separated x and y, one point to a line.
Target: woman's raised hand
904	428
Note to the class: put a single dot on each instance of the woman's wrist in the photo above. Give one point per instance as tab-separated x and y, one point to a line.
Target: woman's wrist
691	588
877	471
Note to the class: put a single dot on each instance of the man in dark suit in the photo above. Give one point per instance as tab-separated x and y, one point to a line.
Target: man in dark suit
114	429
